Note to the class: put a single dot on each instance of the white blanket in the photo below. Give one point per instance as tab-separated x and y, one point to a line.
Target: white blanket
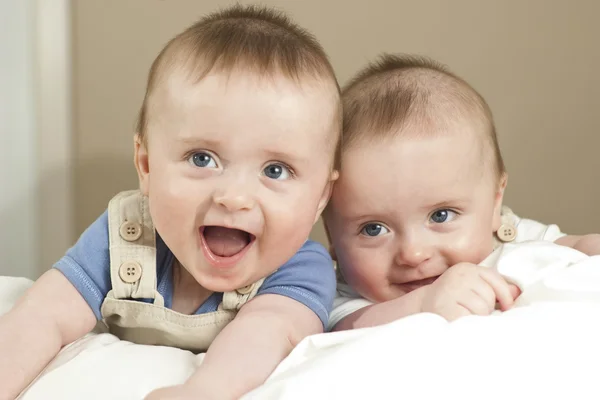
546	348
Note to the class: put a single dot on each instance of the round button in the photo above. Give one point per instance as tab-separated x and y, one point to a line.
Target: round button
506	233
130	231
244	290
130	272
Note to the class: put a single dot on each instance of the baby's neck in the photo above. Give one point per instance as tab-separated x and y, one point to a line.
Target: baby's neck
188	295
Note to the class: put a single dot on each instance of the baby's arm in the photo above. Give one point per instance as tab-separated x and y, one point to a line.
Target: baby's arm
383	313
248	349
292	303
48	316
464	289
534	230
588	244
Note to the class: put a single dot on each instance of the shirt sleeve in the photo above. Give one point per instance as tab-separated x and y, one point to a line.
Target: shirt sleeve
87	264
345	303
528	229
308	277
553	233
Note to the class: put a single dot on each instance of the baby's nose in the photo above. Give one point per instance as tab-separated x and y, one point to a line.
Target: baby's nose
413	254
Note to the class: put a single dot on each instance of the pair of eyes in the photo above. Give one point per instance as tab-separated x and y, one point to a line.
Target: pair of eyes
373	229
275	170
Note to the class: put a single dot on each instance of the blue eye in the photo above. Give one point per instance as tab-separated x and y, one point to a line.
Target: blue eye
374	230
441	216
277	171
202	159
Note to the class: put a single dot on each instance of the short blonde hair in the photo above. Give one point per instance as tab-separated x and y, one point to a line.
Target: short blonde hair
259	39
397	90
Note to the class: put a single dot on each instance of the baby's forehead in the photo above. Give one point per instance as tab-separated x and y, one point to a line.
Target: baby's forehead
458	140
275	110
177	92
310	102
381	182
401	166
443	134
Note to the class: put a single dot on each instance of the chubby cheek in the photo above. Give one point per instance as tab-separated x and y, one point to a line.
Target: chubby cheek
287	226
364	270
473	248
173	213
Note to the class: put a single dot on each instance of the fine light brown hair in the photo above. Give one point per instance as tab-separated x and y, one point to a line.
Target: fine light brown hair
398	90
259	39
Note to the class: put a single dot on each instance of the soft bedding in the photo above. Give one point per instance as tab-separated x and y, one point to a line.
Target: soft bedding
546	347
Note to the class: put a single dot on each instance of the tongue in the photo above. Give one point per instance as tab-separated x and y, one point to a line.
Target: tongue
225	242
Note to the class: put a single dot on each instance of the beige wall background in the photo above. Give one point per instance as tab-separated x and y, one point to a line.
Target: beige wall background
535	61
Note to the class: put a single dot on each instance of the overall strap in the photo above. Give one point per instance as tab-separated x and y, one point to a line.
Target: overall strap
508	227
132	242
235	299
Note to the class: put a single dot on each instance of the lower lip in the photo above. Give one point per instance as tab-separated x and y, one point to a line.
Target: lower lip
410	286
223	262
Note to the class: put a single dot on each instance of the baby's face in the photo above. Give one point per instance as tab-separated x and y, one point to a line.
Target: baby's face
404	210
239	169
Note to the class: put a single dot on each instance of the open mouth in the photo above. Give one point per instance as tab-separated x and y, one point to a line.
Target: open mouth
223	243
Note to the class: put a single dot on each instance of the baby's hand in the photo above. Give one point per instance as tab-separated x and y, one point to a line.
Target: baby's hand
467	289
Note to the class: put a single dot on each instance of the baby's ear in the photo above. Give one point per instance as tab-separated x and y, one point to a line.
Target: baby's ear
332	253
140	159
497	217
331	249
326	195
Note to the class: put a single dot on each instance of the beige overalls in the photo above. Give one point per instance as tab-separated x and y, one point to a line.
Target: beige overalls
133	276
132	247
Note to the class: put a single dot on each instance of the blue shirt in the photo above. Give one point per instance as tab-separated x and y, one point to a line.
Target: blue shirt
308	277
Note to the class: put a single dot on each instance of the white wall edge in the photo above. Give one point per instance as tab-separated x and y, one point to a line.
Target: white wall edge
54	122
19	245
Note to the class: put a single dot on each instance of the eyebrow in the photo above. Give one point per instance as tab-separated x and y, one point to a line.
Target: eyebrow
454	203
188	140
360	218
285	157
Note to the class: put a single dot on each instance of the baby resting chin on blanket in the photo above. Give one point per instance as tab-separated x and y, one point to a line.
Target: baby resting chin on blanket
543	271
541	348
418	202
